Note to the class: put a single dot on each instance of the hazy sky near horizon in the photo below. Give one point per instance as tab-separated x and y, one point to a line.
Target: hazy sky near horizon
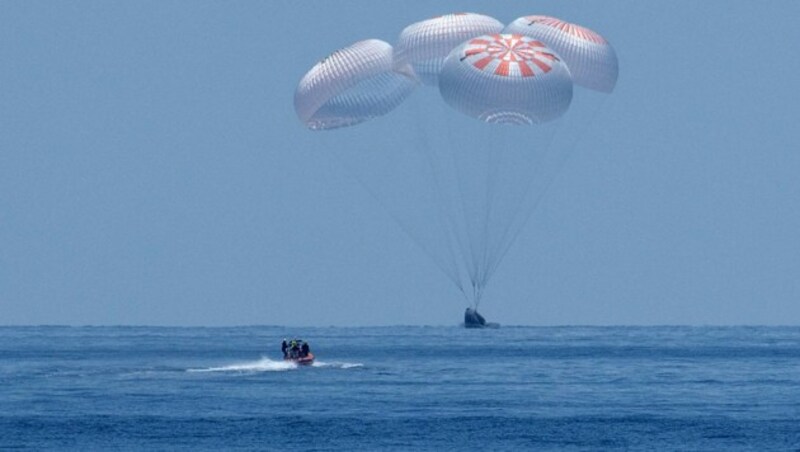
153	171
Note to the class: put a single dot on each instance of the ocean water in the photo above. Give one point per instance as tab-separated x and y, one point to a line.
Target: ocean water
401	388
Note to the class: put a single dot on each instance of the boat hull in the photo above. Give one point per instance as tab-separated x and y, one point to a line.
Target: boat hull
305	361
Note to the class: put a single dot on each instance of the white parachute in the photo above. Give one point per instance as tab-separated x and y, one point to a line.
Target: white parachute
352	85
424	45
461	189
590	58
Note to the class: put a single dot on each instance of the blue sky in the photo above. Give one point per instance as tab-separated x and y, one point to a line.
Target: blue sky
152	171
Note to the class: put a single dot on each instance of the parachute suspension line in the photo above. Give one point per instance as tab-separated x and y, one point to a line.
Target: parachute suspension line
546	175
512	228
495	158
445	220
485	146
565	155
471	261
478	295
454	208
453	277
529	212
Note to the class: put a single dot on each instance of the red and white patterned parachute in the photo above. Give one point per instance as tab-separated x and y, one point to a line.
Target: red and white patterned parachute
506	78
352	85
590	58
424	45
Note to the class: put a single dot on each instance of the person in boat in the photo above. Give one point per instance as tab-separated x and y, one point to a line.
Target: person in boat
295	349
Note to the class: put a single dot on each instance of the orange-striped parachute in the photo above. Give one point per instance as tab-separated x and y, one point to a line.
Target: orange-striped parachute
590	57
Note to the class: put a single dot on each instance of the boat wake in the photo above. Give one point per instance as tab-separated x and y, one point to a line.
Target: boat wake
262	365
269	365
337	365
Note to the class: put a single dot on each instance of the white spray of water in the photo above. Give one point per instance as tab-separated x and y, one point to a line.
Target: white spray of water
337	365
268	365
262	365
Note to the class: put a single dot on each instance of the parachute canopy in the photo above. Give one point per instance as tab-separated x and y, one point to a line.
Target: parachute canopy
590	58
424	45
352	85
506	78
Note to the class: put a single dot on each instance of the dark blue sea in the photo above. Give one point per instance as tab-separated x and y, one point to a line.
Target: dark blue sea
401	388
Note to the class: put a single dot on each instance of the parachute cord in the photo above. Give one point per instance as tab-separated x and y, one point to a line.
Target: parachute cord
565	156
509	229
495	163
476	295
445	219
514	229
459	230
453	277
472	264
